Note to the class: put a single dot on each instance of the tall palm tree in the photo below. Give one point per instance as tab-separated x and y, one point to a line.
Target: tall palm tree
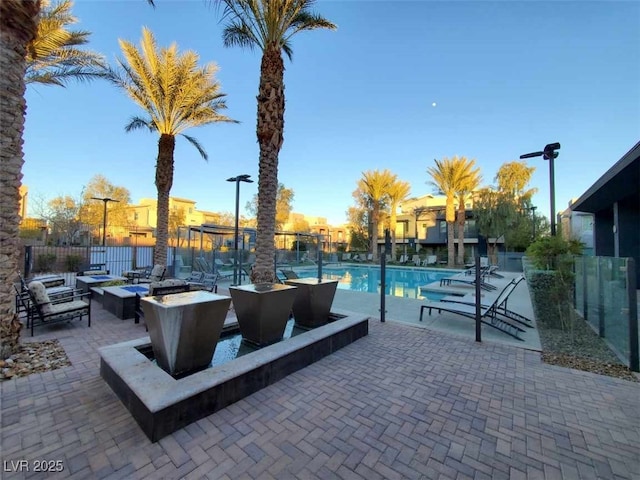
449	176
176	95
268	25
375	185
471	183
53	56
18	22
398	193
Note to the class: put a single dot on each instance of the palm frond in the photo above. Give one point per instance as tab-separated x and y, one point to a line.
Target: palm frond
196	144
52	56
138	122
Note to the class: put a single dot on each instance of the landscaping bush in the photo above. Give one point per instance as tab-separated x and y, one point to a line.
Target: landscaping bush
73	262
45	262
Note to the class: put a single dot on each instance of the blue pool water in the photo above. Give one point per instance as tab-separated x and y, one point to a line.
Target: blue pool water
400	281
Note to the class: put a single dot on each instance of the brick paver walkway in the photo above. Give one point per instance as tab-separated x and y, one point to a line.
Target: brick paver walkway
401	403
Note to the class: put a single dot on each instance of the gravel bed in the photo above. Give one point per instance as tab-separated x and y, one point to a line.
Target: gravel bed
581	349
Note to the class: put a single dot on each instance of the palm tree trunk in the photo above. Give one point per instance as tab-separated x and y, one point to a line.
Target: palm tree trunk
270	138
450	216
392	226
461	218
17	28
374	234
164	182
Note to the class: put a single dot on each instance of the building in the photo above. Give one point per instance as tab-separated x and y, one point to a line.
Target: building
421	226
578	226
614	202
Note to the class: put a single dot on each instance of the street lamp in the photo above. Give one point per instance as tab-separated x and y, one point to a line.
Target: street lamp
104	217
238	179
549	153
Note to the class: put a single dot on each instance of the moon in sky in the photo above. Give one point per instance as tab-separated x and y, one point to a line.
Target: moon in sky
433	104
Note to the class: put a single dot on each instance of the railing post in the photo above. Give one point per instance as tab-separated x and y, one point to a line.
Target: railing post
478	302
600	297
634	357
383	276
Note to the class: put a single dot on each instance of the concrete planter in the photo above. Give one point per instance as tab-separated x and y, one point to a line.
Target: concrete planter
262	311
313	301
184	328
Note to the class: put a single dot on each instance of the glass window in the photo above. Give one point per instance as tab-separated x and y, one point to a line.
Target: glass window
443	226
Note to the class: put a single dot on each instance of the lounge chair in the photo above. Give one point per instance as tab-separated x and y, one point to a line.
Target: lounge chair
289	274
416	260
45	310
403	259
501	309
488	313
460	278
346	257
430	260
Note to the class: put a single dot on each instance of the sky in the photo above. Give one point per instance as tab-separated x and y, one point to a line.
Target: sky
397	85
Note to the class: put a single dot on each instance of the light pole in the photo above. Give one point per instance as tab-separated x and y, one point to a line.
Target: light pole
104	217
549	153
238	179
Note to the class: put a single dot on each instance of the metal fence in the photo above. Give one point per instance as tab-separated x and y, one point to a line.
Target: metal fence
49	259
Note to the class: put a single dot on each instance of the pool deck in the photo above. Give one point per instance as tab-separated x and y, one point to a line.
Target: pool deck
407	401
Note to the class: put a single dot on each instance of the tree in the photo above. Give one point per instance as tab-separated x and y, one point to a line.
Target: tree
92	212
449	177
18	23
64	219
493	212
375	185
53	56
398	193
284	199
513	177
471	183
269	26
176	95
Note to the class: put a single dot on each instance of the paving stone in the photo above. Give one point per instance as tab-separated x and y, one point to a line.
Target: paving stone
402	403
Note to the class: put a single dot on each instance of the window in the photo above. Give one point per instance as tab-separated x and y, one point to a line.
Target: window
443	227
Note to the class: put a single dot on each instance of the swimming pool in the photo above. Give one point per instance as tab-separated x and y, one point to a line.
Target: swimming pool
400	281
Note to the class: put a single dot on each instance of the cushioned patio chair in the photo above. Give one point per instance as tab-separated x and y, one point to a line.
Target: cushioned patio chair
46	310
156	275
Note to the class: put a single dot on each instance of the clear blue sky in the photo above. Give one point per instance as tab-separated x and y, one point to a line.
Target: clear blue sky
507	78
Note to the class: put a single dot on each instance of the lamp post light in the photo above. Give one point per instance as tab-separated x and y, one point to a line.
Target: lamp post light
104	217
237	180
549	153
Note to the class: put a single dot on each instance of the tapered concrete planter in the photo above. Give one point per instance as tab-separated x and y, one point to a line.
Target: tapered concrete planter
184	328
262	311
313	301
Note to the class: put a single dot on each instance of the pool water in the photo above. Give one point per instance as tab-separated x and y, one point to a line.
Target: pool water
400	282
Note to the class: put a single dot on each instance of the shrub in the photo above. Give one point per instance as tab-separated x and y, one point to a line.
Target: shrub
46	261
73	262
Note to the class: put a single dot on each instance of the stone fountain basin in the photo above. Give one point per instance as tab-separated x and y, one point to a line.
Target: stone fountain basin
162	404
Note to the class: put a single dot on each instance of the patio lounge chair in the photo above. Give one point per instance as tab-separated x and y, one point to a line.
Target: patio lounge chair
460	278
346	257
289	274
430	260
488	313
501	309
45	310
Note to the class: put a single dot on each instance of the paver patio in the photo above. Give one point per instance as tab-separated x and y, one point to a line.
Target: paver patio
404	402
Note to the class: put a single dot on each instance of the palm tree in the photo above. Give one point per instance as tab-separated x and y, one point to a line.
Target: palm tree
471	183
375	185
398	192
52	55
176	95
449	176
18	22
269	26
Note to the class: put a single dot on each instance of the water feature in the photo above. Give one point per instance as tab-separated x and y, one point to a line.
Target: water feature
162	404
